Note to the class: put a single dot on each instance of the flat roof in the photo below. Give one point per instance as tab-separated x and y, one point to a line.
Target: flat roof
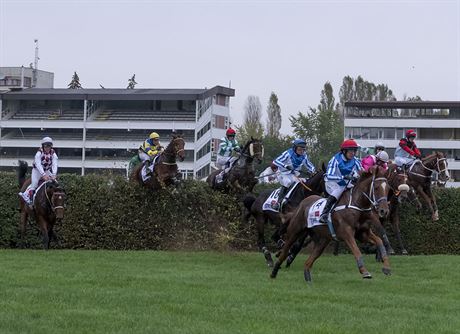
115	94
403	104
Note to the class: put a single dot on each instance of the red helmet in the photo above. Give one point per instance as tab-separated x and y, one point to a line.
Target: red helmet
411	133
230	132
349	144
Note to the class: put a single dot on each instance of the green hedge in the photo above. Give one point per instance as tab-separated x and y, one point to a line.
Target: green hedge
106	212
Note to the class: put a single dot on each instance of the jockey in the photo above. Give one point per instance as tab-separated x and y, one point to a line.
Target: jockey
289	164
227	145
45	167
380	159
407	151
150	148
341	171
270	174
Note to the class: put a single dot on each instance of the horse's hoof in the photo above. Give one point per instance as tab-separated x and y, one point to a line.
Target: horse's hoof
386	271
404	252
268	258
367	275
307	276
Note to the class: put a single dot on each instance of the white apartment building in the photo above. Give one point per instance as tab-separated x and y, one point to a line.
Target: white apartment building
437	124
100	129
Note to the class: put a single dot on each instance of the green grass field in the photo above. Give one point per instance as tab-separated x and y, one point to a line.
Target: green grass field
205	292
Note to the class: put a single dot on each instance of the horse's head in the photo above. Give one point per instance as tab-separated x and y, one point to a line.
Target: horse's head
177	146
441	167
398	182
56	196
254	149
374	186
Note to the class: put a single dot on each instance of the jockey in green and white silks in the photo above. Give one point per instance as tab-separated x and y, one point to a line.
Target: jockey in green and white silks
289	164
227	145
45	167
342	170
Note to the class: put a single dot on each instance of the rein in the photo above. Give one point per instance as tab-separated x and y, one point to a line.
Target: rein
50	202
438	168
371	197
172	154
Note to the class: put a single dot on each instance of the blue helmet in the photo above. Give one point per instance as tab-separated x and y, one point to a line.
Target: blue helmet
299	143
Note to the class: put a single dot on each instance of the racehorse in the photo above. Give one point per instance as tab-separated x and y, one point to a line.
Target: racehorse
352	217
419	178
399	191
241	176
165	170
48	207
254	205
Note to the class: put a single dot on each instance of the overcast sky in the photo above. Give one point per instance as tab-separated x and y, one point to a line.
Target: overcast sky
289	47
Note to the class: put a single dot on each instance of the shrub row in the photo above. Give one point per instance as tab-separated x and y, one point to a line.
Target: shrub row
107	212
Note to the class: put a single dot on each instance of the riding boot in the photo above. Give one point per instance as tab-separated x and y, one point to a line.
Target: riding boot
327	209
281	195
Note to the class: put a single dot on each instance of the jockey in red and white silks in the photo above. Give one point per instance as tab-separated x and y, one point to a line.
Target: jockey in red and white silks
407	152
45	167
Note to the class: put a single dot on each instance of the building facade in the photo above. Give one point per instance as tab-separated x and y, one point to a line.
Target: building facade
101	129
25	77
437	124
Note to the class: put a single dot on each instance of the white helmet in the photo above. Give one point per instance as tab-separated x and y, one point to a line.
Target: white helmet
382	156
379	144
47	140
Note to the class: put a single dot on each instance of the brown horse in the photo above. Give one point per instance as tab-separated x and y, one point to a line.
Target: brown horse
254	205
399	191
241	177
48	206
418	178
352	217
165	171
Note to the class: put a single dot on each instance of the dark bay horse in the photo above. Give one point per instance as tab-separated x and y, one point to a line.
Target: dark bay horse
241	177
254	205
418	178
354	215
48	206
165	171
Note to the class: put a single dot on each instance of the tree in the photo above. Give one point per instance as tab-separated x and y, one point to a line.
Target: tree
132	82
252	126
75	83
273	116
321	127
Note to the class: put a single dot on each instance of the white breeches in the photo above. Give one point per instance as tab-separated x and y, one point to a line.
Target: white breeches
286	179
403	161
221	161
35	178
334	189
143	156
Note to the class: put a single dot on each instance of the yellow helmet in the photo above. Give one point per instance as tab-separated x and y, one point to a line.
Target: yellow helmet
154	135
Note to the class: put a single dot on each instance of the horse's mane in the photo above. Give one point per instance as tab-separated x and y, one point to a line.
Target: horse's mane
436	154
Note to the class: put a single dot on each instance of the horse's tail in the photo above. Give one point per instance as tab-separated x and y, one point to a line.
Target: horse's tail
22	171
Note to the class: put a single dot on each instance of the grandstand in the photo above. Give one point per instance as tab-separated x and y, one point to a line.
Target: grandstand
100	129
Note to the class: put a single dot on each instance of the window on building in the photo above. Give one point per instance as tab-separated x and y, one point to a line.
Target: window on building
203	172
388	133
203	130
222	100
219	122
203	150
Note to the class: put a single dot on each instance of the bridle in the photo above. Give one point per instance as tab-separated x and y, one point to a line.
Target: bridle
437	169
371	197
50	201
173	154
